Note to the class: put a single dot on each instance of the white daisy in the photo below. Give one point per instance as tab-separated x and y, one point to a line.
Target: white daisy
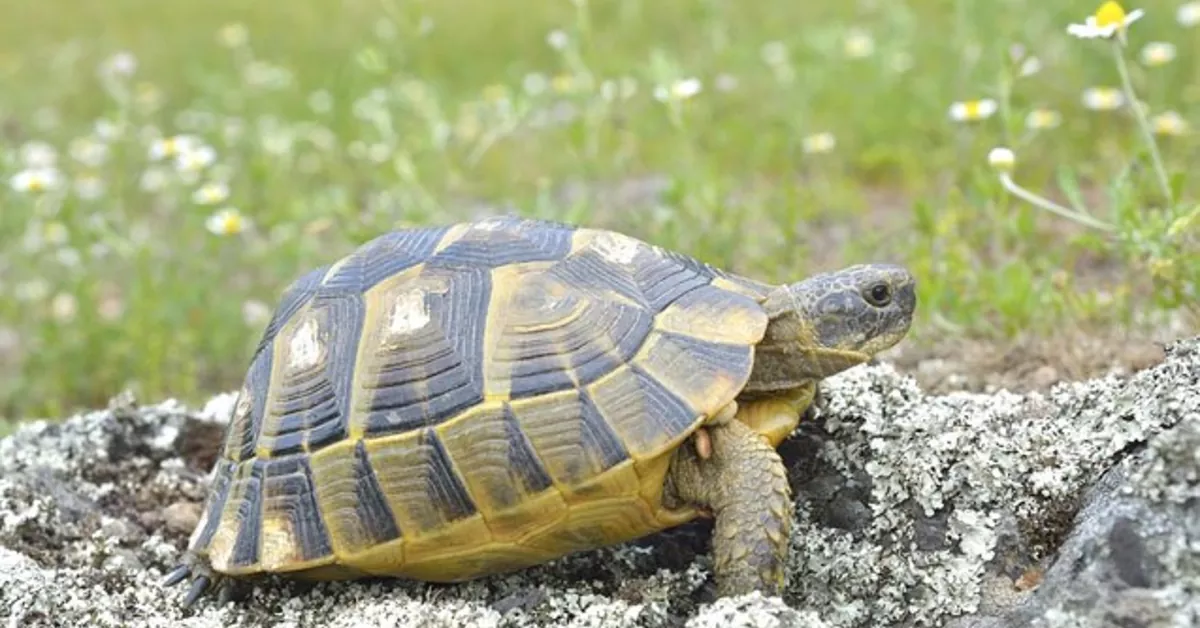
227	222
973	110
1110	19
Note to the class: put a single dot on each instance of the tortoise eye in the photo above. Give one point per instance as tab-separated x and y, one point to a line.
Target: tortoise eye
879	295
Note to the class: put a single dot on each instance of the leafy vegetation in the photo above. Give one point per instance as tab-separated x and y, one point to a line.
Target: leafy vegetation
170	167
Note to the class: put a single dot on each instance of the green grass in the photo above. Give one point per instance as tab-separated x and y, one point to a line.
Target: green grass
431	126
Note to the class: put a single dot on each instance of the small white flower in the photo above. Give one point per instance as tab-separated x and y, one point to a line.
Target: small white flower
320	101
1029	67
35	180
535	84
1103	98
973	110
37	154
858	44
1188	14
89	186
1002	159
558	39
63	307
1041	119
1169	123
227	222
1110	19
678	91
68	257
234	35
196	159
88	151
211	193
255	313
55	233
171	147
1158	53
107	130
774	53
725	82
154	179
32	290
818	143
122	64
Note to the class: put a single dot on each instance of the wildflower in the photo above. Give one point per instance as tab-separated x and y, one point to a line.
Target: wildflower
233	35
1110	19
1169	123
1103	98
121	64
774	53
678	91
1188	14
1029	67
266	76
227	222
320	101
171	147
973	110
35	180
211	193
900	62
110	308
563	83
558	39
195	159
63	307
534	84
1041	119
107	130
32	290
37	154
153	179
68	257
55	233
255	313
88	151
1002	159
818	143
1158	53
858	44
725	82
89	186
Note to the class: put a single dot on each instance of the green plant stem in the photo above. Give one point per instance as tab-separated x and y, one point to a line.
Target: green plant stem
1051	206
1143	123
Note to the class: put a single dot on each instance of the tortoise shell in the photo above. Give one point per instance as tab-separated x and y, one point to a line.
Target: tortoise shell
449	402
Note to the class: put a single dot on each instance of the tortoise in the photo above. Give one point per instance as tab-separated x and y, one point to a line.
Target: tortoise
476	398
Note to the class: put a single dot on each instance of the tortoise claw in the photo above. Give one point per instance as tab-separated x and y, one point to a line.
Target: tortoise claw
177	575
197	589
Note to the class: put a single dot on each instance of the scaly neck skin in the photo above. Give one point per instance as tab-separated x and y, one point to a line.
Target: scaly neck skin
788	360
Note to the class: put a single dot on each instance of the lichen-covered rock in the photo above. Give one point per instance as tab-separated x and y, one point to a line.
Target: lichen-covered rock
1078	507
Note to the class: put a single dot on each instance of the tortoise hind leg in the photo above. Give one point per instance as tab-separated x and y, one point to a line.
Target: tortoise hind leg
744	484
203	580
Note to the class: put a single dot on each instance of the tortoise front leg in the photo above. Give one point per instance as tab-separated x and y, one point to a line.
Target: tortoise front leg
744	484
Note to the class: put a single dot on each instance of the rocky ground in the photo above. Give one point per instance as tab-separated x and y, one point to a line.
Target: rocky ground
1076	506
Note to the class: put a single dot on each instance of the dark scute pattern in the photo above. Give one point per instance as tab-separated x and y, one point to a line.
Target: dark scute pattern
709	359
598	436
249	514
258	379
667	278
288	486
588	270
514	241
665	412
445	490
381	258
217	494
546	369
292	300
372	508
521	459
313	406
438	372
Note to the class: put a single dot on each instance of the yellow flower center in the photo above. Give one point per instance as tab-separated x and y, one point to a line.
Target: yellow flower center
1110	14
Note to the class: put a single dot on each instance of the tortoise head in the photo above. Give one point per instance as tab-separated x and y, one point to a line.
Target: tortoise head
830	322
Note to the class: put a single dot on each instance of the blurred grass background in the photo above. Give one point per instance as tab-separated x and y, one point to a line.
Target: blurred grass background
820	135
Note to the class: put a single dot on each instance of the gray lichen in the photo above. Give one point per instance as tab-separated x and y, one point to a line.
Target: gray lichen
911	510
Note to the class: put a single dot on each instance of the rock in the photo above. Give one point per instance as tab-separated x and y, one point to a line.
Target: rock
1078	506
